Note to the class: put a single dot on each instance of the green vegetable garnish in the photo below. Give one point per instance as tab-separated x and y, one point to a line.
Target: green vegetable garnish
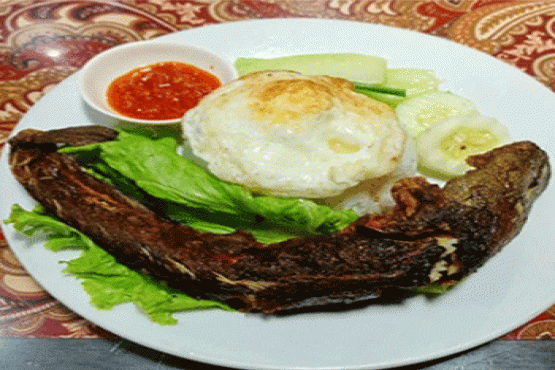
366	89
193	195
152	171
107	282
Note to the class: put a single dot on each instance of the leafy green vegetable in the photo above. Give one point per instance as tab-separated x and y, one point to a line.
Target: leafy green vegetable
435	289
155	167
153	172
107	282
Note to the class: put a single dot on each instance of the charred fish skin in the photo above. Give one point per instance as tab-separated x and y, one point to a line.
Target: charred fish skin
515	179
433	235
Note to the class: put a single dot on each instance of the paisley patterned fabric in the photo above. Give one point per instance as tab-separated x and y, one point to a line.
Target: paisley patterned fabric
44	41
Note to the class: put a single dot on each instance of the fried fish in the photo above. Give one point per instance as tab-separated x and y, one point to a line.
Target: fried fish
434	235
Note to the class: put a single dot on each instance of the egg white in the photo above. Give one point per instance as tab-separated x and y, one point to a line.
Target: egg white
286	134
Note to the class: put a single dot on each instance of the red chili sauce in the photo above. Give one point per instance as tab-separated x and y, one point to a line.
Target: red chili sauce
160	91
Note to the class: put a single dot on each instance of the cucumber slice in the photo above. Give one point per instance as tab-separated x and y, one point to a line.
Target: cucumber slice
413	81
423	111
352	67
442	150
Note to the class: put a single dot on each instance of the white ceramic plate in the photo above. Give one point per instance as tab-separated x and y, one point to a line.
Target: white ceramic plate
509	290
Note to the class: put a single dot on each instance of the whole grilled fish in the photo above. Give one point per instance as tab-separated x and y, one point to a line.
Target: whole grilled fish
433	234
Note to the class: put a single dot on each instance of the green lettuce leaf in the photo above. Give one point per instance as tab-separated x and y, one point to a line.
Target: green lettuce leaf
435	289
155	167
107	282
154	173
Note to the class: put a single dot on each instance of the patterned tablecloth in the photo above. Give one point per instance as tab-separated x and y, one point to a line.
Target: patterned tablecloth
44	41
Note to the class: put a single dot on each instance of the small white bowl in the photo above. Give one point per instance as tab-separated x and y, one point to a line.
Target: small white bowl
97	74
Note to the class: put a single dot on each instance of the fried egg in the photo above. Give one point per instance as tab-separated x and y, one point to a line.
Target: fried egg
286	134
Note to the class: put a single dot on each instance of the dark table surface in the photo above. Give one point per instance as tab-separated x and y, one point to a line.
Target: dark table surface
117	354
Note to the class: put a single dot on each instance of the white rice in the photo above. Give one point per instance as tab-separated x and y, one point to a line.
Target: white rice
374	196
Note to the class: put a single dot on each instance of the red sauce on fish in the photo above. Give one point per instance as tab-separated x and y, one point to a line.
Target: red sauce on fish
160	91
